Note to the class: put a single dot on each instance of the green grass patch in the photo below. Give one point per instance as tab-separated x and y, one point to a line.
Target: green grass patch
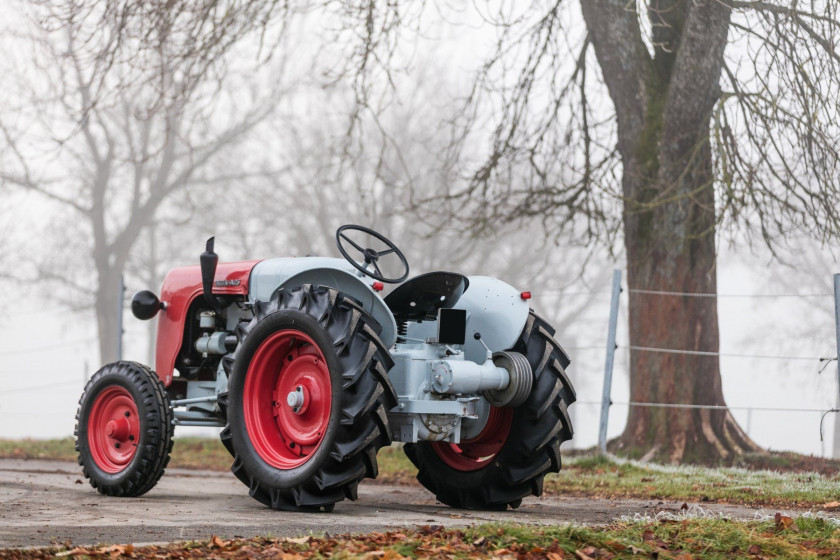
610	477
395	467
60	449
674	538
194	453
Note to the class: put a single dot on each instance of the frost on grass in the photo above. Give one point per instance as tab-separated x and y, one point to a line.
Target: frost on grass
614	476
691	512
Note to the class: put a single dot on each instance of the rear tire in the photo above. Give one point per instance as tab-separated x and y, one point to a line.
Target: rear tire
523	443
124	429
311	455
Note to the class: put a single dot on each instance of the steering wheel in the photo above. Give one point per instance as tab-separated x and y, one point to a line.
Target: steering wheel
371	256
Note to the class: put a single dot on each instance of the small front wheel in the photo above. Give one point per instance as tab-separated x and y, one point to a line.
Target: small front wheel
124	429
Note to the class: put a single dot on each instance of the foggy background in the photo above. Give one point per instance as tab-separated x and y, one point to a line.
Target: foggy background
290	167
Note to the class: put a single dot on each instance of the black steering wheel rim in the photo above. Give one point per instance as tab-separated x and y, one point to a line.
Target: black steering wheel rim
370	256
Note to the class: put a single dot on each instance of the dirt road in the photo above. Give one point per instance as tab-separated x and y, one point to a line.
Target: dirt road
49	501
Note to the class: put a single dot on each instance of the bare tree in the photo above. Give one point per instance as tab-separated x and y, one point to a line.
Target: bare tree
109	164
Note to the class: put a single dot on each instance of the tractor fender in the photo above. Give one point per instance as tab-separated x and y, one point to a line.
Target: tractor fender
497	311
494	308
271	274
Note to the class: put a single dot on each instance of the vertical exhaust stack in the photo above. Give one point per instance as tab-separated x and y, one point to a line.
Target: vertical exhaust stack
209	259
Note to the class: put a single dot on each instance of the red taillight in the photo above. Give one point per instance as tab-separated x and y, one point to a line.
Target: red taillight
525	295
378	286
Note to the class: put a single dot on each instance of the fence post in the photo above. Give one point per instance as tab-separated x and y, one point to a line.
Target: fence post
608	367
837	321
120	302
836	443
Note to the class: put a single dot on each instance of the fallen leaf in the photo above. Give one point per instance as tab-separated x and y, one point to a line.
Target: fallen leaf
831	505
648	535
684	506
78	481
114	550
754	549
615	545
77	550
683	556
479	541
297	540
782	522
555	556
430	529
582	555
216	542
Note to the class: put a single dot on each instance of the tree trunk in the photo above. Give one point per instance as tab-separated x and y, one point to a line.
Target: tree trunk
663	105
672	248
107	300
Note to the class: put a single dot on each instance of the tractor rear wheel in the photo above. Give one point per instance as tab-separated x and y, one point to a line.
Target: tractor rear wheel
517	447
124	429
307	401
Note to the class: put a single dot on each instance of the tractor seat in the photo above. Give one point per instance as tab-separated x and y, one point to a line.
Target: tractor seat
420	298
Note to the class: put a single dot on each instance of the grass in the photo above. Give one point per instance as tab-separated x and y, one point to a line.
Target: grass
190	453
581	475
611	477
678	538
195	453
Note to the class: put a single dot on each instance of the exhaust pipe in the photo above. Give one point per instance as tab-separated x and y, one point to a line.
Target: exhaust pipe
209	259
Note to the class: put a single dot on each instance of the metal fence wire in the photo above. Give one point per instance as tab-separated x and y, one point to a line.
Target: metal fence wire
611	347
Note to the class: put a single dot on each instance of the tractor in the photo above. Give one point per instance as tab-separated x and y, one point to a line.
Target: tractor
309	372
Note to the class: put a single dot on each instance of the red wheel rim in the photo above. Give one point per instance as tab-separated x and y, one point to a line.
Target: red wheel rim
287	399
478	452
113	429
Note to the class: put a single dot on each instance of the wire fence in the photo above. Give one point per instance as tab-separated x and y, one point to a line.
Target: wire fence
821	361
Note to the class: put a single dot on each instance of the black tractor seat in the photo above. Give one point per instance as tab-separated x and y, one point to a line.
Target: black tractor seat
420	298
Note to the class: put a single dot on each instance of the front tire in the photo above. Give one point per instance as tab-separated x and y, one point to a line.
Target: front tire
518	446
124	430
307	399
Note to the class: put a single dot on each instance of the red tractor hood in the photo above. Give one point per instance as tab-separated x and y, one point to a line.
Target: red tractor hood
180	288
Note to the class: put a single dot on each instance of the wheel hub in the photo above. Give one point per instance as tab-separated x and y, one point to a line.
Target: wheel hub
118	429
297	400
113	429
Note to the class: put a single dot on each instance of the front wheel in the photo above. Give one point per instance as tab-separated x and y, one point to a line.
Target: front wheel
124	429
517	447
